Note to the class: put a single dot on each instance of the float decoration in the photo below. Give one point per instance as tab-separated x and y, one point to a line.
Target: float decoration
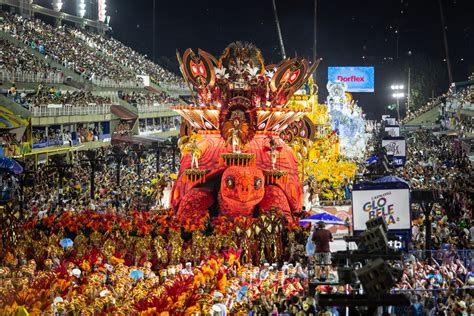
239	104
323	165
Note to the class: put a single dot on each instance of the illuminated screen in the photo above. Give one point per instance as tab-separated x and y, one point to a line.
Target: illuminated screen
358	79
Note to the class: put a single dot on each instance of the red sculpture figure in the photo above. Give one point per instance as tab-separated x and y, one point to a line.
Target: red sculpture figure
251	177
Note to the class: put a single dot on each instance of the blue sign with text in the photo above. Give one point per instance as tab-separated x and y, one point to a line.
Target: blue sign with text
357	79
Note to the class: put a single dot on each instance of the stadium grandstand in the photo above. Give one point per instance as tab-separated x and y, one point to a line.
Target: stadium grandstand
74	87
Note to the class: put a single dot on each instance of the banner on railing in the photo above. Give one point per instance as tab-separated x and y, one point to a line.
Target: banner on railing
145	79
54	106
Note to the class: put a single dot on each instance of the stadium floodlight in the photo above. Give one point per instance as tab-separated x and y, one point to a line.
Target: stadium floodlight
57	5
82	8
398	93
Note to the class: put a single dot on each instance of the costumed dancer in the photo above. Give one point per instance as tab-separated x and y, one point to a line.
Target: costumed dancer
165	201
195	154
274	149
235	139
236	131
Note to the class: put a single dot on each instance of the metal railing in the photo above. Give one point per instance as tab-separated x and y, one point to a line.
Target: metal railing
148	108
156	129
31	76
125	84
332	203
173	86
69	110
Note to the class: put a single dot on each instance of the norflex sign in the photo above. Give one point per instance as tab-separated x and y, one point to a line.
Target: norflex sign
357	79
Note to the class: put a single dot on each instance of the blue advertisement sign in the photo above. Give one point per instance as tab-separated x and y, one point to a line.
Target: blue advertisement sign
357	79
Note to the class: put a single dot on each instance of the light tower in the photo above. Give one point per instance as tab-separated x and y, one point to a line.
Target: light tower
398	93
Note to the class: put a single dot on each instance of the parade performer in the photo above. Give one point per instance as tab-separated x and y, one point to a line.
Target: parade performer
274	149
234	134
195	154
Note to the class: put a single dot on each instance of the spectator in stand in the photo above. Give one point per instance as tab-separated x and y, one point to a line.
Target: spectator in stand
92	56
74	98
140	98
14	59
443	167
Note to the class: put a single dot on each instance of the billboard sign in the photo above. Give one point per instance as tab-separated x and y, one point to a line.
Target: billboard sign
357	79
396	150
392	130
391	204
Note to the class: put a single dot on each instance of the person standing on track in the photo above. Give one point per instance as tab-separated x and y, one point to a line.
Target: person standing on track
321	238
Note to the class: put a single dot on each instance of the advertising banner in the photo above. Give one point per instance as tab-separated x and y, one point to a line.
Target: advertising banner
391	204
393	130
396	150
357	79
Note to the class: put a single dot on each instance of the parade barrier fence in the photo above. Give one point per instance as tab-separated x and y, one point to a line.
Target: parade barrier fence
332	203
125	84
61	142
173	86
153	107
31	76
69	110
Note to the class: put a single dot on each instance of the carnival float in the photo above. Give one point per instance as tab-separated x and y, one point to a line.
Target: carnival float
255	143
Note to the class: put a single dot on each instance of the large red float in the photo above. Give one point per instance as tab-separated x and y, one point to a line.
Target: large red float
238	166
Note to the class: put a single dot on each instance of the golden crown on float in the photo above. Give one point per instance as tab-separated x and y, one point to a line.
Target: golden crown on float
239	80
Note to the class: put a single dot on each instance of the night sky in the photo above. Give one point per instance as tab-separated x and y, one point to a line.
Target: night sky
350	33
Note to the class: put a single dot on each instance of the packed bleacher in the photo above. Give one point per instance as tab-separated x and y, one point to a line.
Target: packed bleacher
13	58
450	103
47	96
142	98
59	45
93	56
129	58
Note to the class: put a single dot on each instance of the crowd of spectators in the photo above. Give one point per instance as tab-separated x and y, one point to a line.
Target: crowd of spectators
74	98
14	58
58	137
141	98
437	288
128	58
90	55
123	128
442	166
450	102
45	96
159	125
133	193
60	45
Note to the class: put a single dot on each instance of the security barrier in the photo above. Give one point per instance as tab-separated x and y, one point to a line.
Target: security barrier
30	76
